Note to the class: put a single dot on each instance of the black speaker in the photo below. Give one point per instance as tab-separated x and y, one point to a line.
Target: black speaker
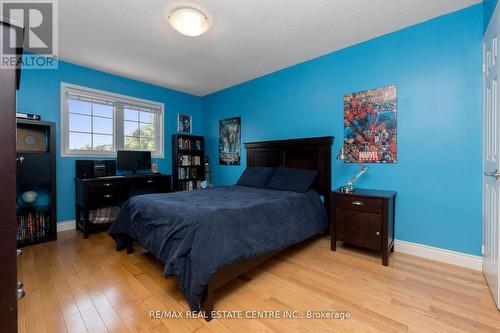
110	166
84	169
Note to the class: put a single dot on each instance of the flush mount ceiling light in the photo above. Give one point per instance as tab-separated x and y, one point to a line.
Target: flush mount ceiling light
189	22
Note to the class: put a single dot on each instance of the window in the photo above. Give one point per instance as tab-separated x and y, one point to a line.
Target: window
98	123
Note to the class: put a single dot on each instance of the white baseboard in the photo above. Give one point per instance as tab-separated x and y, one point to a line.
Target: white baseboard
419	250
437	254
66	225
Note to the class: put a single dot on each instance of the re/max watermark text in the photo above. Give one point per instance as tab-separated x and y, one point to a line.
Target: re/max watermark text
251	314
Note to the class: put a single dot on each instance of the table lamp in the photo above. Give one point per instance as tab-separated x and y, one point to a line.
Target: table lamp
349	188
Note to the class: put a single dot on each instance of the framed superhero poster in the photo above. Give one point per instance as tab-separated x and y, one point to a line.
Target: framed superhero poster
370	131
230	141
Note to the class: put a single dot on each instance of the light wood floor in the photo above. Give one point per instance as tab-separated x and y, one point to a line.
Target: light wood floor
78	285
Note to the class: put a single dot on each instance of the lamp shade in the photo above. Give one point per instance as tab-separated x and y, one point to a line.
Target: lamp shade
341	156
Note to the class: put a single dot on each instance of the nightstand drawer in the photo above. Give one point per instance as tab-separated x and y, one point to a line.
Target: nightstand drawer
364	204
359	228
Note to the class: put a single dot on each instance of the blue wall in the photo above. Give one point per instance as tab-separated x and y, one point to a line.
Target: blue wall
437	68
488	10
40	94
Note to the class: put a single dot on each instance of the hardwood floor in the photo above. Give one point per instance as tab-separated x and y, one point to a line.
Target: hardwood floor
77	285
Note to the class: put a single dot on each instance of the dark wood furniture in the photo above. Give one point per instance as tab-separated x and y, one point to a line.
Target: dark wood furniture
364	218
188	154
103	192
9	81
310	153
37	171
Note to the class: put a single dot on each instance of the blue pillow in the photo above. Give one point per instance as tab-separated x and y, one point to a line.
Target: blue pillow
256	177
287	179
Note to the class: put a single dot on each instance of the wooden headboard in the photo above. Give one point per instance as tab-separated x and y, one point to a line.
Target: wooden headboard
308	153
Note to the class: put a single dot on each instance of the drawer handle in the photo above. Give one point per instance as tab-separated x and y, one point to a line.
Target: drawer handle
377	233
357	203
107	196
107	184
150	181
20	293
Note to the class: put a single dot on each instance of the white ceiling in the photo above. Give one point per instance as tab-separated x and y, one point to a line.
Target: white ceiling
247	39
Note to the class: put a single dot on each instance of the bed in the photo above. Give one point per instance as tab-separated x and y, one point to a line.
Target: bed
208	237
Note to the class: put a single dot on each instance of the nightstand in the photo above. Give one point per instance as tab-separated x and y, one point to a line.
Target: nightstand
364	218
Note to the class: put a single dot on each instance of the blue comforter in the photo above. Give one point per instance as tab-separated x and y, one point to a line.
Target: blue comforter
194	233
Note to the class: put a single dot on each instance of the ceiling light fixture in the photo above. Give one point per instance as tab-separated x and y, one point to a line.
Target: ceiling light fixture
189	22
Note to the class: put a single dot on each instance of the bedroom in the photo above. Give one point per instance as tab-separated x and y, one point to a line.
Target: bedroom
234	171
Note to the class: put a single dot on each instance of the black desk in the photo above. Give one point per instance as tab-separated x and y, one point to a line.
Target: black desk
112	191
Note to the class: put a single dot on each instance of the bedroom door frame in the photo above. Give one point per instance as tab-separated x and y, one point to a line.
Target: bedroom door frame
8	246
491	158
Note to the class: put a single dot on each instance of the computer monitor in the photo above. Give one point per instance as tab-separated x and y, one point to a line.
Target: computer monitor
133	160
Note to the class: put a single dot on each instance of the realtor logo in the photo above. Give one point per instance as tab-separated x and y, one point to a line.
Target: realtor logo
39	19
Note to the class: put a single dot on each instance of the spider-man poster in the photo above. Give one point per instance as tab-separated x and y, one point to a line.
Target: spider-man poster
370	131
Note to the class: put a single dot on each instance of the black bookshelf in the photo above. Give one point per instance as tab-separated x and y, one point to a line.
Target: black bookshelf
188	159
36	171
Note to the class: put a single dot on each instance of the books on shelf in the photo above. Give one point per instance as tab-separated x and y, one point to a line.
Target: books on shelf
189	160
32	226
189	144
187	173
190	185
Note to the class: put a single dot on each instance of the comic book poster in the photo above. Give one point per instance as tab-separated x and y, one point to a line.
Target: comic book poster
370	131
230	141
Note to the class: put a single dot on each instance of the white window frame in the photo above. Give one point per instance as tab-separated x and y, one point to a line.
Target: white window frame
118	122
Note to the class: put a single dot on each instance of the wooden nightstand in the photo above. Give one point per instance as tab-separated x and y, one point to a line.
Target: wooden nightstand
364	218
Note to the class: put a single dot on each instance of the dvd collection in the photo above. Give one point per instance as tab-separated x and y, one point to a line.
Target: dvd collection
189	144
187	173
190	185
189	160
32	226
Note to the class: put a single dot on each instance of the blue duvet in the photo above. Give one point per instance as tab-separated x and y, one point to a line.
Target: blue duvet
194	233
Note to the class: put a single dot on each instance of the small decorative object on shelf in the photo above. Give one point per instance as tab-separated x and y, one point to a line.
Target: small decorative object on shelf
187	162
31	139
154	168
29	197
